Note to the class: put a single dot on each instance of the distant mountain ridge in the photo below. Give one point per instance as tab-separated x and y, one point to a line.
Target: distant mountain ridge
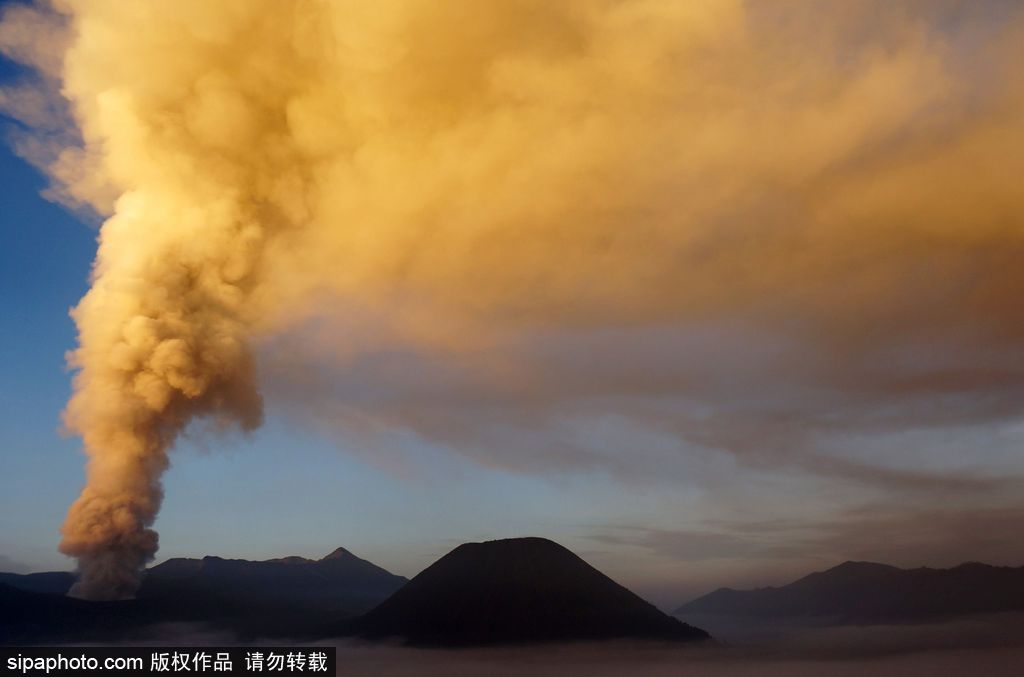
339	581
867	592
285	597
516	590
50	582
498	592
338	575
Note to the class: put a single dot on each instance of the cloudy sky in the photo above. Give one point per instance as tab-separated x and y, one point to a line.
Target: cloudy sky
712	293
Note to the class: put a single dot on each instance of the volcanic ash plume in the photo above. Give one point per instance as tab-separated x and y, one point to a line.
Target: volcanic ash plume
192	153
162	339
498	168
163	330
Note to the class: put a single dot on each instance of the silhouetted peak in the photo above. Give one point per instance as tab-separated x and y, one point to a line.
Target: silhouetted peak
516	590
529	546
523	542
536	542
337	553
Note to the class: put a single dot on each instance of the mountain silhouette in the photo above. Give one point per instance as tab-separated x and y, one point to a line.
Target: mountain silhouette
287	597
516	591
339	582
54	582
866	592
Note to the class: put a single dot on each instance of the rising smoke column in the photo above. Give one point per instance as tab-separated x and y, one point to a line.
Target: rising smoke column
194	151
162	340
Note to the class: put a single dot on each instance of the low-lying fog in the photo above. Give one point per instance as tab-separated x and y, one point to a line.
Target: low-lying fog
990	645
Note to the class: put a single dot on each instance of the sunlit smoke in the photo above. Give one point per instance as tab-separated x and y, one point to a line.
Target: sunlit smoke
500	166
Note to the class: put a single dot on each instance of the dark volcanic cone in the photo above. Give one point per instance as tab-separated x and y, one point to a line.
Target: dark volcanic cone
515	591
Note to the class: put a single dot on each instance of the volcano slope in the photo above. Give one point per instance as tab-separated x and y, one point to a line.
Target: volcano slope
516	591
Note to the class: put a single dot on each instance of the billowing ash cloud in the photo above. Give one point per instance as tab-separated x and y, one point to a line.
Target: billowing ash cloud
845	173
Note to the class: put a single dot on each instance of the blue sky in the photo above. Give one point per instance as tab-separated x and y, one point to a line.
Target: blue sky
44	267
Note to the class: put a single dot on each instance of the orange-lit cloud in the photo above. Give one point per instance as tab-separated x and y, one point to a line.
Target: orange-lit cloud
496	184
